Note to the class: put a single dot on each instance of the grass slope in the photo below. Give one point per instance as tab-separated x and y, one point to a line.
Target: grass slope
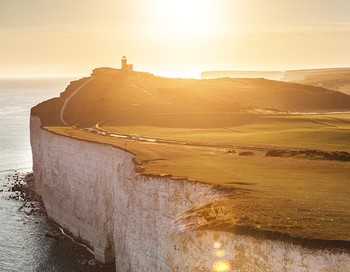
113	93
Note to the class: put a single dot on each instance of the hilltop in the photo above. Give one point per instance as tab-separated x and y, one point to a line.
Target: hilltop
113	93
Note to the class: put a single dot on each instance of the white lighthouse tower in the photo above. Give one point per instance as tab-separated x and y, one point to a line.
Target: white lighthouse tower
125	65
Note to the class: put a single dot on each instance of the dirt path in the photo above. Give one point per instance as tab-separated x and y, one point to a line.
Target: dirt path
69	98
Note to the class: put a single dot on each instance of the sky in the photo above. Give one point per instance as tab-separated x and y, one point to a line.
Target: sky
176	38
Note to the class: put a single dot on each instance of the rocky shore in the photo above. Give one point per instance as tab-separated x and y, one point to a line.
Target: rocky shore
21	187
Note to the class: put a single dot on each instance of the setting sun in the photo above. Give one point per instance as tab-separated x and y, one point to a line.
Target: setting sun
183	18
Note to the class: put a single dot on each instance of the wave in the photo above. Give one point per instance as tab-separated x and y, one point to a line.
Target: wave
22	169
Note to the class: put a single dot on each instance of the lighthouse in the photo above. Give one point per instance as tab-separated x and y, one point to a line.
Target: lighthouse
125	65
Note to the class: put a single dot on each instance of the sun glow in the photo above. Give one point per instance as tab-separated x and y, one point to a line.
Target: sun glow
185	18
222	266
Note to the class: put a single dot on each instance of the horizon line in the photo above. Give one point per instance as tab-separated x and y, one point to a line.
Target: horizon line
171	74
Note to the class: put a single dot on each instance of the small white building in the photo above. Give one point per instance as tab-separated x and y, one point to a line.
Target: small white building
125	65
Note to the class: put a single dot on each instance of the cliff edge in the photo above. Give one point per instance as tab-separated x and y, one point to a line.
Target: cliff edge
160	174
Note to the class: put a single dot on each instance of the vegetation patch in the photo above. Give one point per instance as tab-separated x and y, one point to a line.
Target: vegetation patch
311	154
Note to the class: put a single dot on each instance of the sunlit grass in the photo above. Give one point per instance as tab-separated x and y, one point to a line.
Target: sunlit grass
300	197
304	132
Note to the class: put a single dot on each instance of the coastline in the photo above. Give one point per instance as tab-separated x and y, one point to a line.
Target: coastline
20	188
125	253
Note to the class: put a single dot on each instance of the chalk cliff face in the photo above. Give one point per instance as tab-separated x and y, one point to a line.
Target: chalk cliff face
93	191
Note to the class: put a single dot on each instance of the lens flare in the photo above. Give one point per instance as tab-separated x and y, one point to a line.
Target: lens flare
217	245
221	266
220	253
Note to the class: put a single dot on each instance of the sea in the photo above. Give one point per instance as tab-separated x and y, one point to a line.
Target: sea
25	239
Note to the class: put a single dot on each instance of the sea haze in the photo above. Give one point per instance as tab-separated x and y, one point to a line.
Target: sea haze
17	96
23	245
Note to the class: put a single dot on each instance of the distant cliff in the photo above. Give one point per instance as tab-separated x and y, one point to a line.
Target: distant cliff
337	79
272	75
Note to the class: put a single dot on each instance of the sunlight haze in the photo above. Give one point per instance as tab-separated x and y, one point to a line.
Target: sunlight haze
172	38
175	135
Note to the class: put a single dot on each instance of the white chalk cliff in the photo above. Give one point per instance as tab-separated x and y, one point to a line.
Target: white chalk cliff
93	191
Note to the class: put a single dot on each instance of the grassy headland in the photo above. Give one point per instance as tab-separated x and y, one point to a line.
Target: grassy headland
218	132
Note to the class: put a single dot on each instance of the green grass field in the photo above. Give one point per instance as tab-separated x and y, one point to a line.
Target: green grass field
324	132
295	196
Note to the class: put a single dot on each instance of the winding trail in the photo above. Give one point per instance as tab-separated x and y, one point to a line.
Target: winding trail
70	97
129	83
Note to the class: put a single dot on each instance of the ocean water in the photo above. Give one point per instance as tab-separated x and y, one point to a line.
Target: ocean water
24	245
